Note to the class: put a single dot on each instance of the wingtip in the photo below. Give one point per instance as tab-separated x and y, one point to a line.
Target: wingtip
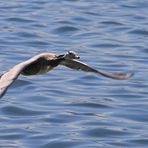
125	76
130	75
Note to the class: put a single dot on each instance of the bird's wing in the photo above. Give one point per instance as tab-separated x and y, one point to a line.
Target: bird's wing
9	77
77	65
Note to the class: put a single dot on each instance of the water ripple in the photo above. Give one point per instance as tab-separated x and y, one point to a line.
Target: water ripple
65	29
67	108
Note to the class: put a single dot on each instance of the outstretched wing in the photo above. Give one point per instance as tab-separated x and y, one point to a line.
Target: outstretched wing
9	77
75	64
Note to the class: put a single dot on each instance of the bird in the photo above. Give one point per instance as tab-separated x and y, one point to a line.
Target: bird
44	62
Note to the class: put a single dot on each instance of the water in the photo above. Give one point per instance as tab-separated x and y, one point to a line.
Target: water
73	109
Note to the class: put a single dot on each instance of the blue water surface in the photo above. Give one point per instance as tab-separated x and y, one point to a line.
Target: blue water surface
74	109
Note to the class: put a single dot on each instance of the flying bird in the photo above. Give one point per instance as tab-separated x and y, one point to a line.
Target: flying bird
45	62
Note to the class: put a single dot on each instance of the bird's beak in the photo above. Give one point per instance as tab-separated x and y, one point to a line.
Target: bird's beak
77	57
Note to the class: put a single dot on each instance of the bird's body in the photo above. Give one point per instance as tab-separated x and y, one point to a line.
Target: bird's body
45	62
40	66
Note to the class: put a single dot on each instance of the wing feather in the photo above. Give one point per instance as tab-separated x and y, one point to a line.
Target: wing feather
77	65
9	77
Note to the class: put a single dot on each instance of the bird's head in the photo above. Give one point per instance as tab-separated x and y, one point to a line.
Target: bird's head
71	55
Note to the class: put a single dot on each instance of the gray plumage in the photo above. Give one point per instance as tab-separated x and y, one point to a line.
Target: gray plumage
45	62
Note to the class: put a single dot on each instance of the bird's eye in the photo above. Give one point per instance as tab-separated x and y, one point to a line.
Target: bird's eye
70	52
